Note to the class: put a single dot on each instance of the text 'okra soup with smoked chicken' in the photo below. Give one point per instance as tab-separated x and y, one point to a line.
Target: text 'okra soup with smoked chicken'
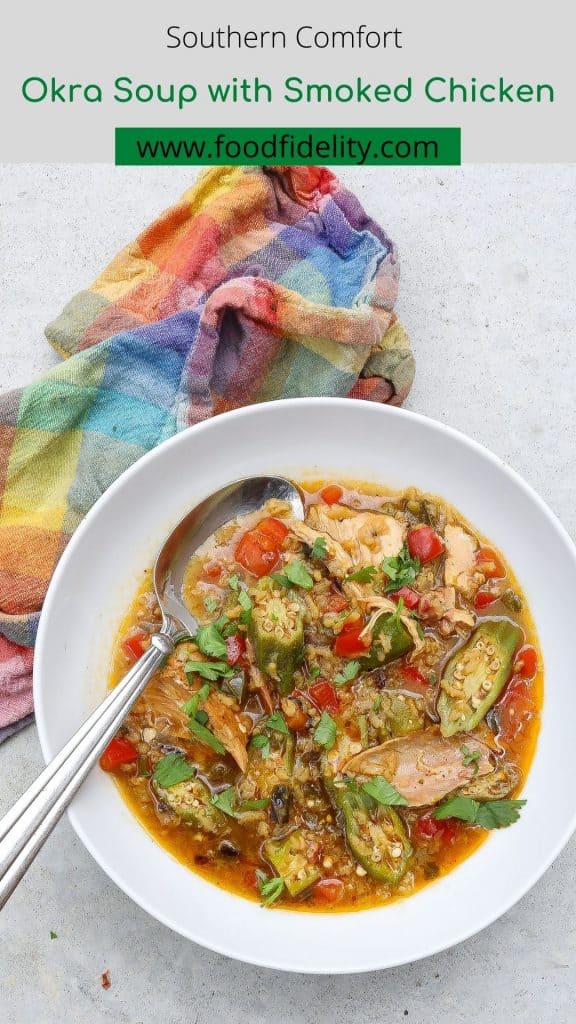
357	710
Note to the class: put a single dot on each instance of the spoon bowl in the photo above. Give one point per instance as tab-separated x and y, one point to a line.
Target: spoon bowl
231	502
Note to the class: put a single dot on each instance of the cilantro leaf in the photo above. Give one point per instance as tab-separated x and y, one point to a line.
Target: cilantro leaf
363	575
225	801
262	743
325	731
499	813
295	574
470	757
205	736
348	673
210	641
277	723
314	672
211	604
319	549
234	583
210	670
53	935
246	604
270	889
383	792
254	805
489	814
191	706
172	769
462	807
401	570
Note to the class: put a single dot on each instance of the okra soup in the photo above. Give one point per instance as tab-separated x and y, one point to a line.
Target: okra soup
357	710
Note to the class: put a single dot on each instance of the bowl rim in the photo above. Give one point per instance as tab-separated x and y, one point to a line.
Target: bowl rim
49	751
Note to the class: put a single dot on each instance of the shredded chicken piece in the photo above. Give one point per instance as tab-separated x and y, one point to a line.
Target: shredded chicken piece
338	562
424	766
367	537
225	725
460	565
440	604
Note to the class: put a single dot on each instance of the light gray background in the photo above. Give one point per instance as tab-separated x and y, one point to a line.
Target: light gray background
522	42
489	264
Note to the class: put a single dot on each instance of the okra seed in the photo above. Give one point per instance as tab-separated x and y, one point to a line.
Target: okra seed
494	665
327	862
396	850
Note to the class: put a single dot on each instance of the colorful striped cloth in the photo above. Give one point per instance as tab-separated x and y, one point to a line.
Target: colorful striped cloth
261	283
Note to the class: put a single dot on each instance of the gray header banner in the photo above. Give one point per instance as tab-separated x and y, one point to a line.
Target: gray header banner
502	71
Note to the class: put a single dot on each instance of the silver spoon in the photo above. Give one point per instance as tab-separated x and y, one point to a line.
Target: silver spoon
26	826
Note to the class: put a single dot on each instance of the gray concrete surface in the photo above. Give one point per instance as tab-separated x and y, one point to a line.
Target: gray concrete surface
489	264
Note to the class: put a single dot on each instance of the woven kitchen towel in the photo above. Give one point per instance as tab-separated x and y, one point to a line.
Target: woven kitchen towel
261	283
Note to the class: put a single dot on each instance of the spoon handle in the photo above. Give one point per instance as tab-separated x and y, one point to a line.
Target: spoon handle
27	825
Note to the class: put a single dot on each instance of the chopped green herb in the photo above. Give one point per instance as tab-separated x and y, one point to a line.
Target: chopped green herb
172	769
210	670
314	672
53	935
377	703
234	583
489	814
400	609
191	706
210	641
246	605
254	805
225	801
499	813
325	731
270	889
383	792
262	743
319	549
363	575
348	673
470	757
401	570
204	734
211	604
295	574
277	723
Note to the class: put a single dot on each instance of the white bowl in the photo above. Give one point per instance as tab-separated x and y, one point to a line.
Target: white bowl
101	568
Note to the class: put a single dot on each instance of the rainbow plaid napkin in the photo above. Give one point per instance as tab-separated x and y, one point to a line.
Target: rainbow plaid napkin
261	283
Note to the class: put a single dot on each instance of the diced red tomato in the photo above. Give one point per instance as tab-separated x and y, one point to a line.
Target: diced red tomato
484	598
413	676
331	494
118	752
329	890
133	647
324	695
424	543
490	564
526	662
257	553
410	597
235	648
349	643
273	528
427	828
336	602
211	572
